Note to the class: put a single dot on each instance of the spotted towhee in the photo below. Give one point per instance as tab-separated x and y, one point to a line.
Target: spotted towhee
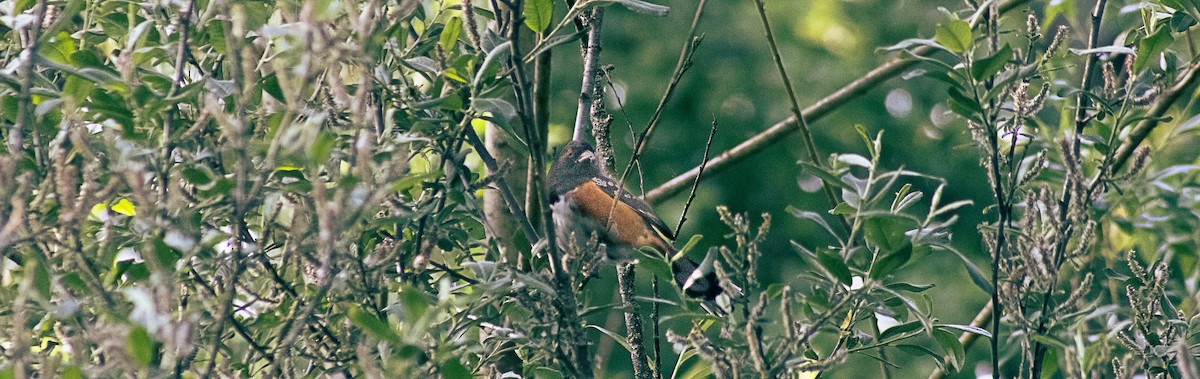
581	197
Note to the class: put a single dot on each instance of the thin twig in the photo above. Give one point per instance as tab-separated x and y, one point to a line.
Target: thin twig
797	115
703	162
814	112
25	104
681	67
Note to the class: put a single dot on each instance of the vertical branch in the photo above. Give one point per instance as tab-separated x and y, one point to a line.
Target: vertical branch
25	117
579	364
502	186
240	72
591	59
654	312
185	21
1066	228
991	16
542	86
16	146
633	322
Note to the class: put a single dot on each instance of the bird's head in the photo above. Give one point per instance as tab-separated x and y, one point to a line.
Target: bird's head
576	163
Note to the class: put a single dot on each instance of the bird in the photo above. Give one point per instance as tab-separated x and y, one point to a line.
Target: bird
581	199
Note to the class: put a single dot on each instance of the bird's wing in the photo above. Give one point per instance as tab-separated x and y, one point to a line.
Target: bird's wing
610	187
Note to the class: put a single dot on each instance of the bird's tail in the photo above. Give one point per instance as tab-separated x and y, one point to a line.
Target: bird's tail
698	280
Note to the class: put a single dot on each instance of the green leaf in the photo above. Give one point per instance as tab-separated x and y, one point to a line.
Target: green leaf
140	347
954	350
60	49
415	302
826	176
977	275
1181	21
77	88
963	105
886	232
498	53
843	209
196	176
41	280
967	328
450	33
836	266
498	107
372	325
537	14
1150	47
321	148
72	372
453	369
989	66
1174	4
616	337
909	287
890	262
911	42
898	330
955	35
921	350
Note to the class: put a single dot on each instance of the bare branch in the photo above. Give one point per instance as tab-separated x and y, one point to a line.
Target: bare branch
814	112
591	58
703	162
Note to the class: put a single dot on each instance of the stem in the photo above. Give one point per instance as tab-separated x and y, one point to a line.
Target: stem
703	162
1142	130
1067	228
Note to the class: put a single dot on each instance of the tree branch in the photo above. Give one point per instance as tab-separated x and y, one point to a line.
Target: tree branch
814	112
591	58
633	322
1153	118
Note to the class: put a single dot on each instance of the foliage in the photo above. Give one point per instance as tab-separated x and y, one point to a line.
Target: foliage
315	188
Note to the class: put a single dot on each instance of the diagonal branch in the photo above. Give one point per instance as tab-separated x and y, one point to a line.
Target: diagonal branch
798	116
1153	117
814	112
